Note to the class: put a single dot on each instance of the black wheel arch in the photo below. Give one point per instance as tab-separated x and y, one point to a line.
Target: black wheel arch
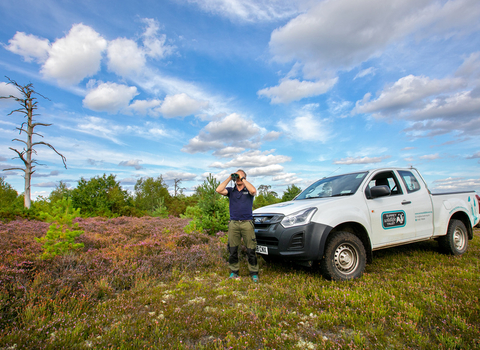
353	228
463	217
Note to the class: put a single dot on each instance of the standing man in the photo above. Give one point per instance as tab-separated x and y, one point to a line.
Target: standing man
241	222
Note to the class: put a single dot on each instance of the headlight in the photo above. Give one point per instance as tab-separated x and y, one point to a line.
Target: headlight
301	217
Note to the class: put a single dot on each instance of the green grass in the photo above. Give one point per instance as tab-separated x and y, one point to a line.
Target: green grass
410	297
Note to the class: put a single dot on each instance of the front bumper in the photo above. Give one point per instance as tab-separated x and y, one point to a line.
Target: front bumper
305	242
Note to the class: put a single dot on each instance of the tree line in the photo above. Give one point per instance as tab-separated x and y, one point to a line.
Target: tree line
103	196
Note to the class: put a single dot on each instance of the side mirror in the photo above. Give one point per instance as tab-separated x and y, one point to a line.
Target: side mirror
380	191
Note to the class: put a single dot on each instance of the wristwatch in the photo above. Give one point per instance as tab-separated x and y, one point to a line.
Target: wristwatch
243	178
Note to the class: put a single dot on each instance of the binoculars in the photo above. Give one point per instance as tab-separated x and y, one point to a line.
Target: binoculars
235	176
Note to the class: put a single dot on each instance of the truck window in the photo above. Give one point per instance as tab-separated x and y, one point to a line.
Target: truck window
409	180
387	178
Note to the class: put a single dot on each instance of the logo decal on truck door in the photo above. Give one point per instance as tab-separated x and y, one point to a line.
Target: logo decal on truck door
392	219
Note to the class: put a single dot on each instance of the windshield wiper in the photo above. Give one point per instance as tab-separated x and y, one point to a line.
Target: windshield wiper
342	194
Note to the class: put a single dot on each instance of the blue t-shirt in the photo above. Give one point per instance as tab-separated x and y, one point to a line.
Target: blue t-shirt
241	203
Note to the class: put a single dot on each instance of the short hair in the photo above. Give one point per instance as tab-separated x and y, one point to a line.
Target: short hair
244	173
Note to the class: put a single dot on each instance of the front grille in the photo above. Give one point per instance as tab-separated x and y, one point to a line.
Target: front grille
297	242
267	241
265	226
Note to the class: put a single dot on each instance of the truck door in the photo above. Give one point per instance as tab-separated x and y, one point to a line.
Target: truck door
391	217
419	197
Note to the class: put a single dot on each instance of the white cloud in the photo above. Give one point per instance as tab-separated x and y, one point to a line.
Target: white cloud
365	72
29	46
293	90
250	10
340	34
125	57
228	152
154	44
360	160
306	127
430	156
109	97
407	92
455	184
135	163
76	56
253	159
181	105
7	90
144	107
232	130
173	175
432	106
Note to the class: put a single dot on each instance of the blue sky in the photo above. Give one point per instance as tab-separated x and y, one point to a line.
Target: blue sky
289	91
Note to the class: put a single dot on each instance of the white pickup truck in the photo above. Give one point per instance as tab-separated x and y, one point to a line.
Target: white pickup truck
340	220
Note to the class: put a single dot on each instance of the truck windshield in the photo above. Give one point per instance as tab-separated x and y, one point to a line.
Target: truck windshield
341	185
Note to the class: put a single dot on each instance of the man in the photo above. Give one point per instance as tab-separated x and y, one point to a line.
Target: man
241	222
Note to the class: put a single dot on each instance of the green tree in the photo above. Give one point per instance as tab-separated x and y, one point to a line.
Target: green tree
60	192
60	237
101	196
151	195
291	192
7	194
265	197
211	213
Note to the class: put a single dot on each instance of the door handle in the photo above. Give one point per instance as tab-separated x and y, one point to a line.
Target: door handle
406	202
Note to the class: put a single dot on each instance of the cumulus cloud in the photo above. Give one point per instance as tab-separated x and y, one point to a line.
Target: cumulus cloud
432	106
154	44
109	97
232	130
407	92
75	56
181	105
125	57
135	163
144	107
29	46
360	160
8	90
339	35
306	127
293	90
253	159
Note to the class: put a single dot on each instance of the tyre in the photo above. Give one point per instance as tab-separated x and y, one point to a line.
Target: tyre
455	242
345	257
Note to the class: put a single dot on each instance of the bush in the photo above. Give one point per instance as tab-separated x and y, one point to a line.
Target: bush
211	213
60	238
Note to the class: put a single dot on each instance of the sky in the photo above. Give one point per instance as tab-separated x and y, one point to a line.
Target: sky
288	90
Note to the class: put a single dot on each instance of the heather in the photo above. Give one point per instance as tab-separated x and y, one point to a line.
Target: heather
145	283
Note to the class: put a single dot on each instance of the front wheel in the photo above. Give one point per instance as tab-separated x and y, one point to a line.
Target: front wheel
455	242
345	257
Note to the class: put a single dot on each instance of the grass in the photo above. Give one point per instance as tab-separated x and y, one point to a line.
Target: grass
144	283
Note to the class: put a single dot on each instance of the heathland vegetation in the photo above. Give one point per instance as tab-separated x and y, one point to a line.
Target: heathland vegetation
97	267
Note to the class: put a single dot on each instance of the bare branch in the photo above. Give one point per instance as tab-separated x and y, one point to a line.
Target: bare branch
53	148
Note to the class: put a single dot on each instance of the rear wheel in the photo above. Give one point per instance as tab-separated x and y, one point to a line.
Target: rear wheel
455	242
345	257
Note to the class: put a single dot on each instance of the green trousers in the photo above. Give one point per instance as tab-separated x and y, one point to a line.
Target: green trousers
238	230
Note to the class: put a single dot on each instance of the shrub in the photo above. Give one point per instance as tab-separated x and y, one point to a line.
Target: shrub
60	238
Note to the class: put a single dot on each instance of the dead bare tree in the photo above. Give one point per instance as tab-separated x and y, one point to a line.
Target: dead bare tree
178	189
28	105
